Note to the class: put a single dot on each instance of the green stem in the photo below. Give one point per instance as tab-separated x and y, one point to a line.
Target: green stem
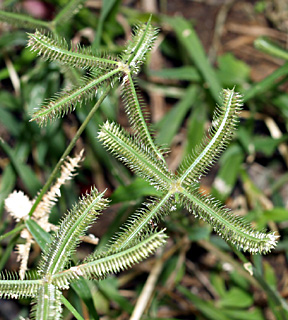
267	83
271	48
68	150
12	232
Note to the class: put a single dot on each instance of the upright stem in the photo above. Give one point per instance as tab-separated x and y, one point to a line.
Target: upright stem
68	149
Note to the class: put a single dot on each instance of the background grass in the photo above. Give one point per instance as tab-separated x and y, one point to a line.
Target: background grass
197	276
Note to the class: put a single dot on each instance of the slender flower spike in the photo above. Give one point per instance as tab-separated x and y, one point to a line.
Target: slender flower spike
220	133
136	51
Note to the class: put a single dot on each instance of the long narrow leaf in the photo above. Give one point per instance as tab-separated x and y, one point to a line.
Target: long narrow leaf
40	235
190	41
28	177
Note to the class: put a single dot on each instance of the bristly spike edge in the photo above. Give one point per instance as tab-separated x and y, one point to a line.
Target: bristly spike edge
112	262
228	225
67	100
136	50
224	124
72	227
135	154
53	48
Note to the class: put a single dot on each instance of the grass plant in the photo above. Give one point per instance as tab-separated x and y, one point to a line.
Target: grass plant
97	74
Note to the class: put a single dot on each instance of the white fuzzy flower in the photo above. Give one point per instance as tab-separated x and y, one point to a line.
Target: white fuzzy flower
18	205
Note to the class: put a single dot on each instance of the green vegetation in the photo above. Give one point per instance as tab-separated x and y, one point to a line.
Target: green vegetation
39	163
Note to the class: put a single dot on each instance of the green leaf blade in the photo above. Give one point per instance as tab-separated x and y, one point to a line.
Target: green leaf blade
138	188
190	41
40	235
27	175
265	45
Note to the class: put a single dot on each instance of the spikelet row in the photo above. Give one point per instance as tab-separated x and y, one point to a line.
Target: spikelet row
55	49
135	155
73	225
138	119
230	227
220	134
139	222
67	100
12	287
136	50
48	303
114	263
